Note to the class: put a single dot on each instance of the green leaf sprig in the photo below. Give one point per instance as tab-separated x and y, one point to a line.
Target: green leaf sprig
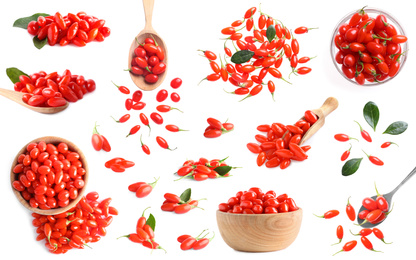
24	22
242	56
14	74
371	114
351	166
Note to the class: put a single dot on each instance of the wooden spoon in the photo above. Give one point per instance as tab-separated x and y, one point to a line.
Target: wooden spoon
329	105
17	97
72	147
148	31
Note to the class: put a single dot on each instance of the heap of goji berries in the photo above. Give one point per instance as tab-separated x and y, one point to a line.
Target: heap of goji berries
281	144
216	128
179	204
203	169
375	212
145	234
75	228
77	29
52	90
258	54
196	243
48	176
254	201
148	60
369	48
135	102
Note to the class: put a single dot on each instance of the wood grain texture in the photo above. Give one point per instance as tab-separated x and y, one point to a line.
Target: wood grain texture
329	105
148	31
72	147
17	97
259	232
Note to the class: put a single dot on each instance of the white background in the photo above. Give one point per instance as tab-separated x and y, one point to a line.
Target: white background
316	184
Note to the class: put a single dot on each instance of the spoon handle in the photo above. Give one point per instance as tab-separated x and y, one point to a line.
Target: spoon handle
405	180
12	95
148	12
329	105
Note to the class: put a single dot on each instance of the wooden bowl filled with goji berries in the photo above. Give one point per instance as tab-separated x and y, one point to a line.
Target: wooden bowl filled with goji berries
49	175
369	47
253	221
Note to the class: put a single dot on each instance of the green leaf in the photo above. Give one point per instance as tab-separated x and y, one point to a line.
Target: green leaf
223	170
243	56
351	166
186	195
14	73
39	43
396	128
371	114
24	21
271	33
151	221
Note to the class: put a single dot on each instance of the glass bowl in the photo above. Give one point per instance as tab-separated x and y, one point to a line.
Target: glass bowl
372	12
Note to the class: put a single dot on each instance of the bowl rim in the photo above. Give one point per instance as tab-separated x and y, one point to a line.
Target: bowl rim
333	49
81	192
299	210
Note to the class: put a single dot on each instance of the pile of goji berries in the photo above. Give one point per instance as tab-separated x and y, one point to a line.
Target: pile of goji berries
216	128
135	102
53	90
196	243
281	144
48	176
77	29
254	201
179	204
145	234
369	48
75	228
256	55
118	164
378	209
148	60
204	169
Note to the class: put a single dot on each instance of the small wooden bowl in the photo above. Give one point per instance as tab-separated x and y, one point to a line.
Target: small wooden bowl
72	147
259	232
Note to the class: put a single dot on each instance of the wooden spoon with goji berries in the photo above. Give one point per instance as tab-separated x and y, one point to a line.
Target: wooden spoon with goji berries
148	74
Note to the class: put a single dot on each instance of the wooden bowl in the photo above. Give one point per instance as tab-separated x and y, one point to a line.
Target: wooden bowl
72	147
259	232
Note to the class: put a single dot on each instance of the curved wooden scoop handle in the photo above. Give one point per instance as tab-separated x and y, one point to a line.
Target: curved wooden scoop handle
327	107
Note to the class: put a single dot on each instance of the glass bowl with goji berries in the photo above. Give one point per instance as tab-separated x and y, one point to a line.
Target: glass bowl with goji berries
369	47
49	175
253	221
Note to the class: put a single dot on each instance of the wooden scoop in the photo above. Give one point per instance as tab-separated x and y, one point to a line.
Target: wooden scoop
329	105
17	97
147	32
